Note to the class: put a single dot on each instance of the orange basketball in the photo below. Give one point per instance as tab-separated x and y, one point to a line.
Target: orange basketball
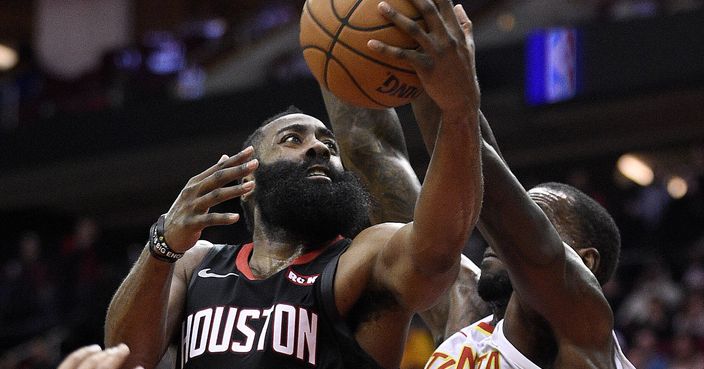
334	35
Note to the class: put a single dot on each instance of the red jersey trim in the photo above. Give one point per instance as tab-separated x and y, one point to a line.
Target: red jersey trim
486	327
242	260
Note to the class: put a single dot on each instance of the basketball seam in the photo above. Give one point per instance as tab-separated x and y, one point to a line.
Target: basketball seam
343	23
352	9
348	47
380	27
339	62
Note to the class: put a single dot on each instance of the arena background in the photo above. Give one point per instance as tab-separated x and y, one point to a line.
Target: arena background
107	107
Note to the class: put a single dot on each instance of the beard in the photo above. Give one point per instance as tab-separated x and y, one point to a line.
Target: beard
312	210
495	287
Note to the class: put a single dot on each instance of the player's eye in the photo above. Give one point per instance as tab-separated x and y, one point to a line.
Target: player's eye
331	145
291	138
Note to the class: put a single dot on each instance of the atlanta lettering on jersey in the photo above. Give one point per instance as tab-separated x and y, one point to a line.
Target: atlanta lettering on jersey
467	360
220	329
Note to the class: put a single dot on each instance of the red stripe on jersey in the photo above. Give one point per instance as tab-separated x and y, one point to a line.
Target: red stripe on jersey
310	256
242	260
486	326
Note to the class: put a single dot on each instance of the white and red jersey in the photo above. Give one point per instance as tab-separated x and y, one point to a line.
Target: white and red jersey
483	346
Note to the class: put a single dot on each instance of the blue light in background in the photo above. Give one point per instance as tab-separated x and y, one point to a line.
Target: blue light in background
167	54
553	65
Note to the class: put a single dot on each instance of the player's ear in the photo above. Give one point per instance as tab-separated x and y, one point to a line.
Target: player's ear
591	258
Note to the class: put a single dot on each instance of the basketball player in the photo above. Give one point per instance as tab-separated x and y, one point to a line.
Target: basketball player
558	246
300	295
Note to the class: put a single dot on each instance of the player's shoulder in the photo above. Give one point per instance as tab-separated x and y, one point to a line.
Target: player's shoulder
194	257
363	250
375	236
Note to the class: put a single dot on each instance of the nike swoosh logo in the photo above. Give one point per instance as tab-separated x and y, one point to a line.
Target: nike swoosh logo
205	273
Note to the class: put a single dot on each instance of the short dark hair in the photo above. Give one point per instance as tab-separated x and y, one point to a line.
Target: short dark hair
255	140
583	223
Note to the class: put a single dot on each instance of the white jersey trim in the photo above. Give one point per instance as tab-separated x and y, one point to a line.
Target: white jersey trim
511	353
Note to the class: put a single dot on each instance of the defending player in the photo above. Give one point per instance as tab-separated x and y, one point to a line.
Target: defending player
298	296
558	246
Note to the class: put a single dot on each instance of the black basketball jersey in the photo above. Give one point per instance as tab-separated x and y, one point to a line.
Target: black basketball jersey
289	320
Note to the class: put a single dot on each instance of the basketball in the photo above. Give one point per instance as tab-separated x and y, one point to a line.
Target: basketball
334	35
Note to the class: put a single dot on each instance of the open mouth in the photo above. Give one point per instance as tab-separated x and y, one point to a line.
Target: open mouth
489	254
318	172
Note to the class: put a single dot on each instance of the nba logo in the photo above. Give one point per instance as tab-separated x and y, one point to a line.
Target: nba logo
552	61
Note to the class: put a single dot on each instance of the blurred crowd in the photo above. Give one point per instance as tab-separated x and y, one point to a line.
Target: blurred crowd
54	293
161	64
176	63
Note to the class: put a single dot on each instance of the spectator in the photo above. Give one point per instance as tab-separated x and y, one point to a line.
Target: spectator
690	318
685	354
26	293
653	297
645	352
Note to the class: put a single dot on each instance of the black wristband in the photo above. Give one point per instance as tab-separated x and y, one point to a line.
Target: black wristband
157	243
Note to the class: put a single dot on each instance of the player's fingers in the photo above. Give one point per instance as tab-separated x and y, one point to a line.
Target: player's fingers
430	14
220	195
463	19
76	357
93	361
227	161
110	358
411	27
216	219
448	15
115	357
224	176
413	57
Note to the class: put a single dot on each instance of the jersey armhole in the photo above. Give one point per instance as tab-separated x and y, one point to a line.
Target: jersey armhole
326	291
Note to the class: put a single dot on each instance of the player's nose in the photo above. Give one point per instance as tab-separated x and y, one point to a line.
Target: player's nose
318	149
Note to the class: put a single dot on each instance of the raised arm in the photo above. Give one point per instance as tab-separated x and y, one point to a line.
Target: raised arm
422	258
427	112
145	311
512	223
428	117
547	277
372	145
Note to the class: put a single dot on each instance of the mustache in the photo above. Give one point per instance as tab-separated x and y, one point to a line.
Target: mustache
297	169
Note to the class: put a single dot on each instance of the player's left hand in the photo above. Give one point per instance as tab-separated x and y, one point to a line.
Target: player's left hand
92	357
445	61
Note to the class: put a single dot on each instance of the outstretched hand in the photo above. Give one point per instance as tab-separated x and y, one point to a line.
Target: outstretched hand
92	357
445	60
189	214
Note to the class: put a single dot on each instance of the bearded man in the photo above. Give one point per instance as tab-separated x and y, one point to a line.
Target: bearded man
310	290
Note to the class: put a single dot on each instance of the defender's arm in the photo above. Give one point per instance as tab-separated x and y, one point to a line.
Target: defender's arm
372	145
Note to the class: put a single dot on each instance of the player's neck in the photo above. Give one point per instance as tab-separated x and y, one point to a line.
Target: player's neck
498	309
273	251
530	334
276	248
